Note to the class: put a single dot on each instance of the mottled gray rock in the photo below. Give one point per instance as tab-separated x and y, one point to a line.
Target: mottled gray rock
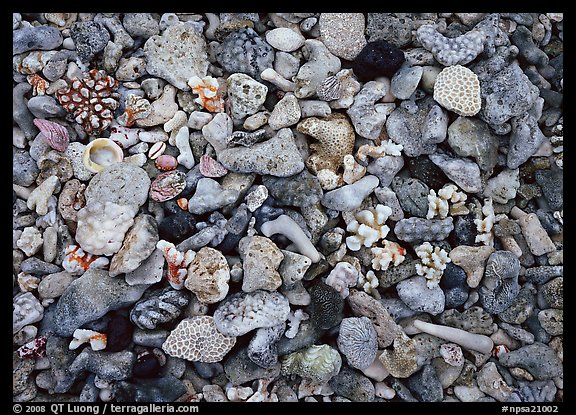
491	383
412	195
529	51
471	137
463	172
60	358
37	267
414	292
210	196
140	24
350	197
89	38
24	168
150	338
526	137
537	358
537	391
405	81
302	189
158	307
500	285
417	230
20	112
164	389
472	320
352	385
395	28
385	168
320	65
277	156
426	385
262	348
139	243
91	296
149	271
387	197
240	369
505	94
246	52
106	365
522	306
368	117
418	132
35	38
551	182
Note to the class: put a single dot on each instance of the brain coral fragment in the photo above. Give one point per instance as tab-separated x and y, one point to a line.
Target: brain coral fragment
457	89
369	227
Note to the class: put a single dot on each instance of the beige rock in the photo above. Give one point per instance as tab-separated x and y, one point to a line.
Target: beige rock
261	259
472	259
208	276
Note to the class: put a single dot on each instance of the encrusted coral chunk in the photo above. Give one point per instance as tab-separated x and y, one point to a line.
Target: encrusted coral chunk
97	340
197	339
457	89
335	135
177	263
357	340
208	276
434	260
76	261
91	100
38	83
33	349
484	226
392	253
342	276
386	148
27	282
207	90
136	108
316	363
56	135
369	227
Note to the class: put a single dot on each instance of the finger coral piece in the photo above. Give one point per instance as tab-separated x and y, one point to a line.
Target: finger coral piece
369	283
207	90
392	253
335	135
102	226
196	339
56	135
38	198
484	226
211	168
208	276
177	263
357	341
136	108
478	342
457	89
76	261
97	340
101	153
286	226
343	276
318	364
167	185
369	227
433	263
33	349
91	100
39	84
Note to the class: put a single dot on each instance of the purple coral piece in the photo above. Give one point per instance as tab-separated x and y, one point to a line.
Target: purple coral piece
55	134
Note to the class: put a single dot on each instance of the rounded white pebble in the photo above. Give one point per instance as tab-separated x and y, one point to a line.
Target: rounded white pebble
284	39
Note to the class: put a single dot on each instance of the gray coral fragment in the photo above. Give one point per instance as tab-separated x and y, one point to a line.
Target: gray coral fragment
159	307
416	230
358	341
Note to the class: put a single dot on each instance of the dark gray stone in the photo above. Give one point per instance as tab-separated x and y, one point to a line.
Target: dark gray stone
426	385
352	385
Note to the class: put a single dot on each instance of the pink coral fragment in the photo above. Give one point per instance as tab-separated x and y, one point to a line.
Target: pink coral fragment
53	133
177	263
211	168
33	349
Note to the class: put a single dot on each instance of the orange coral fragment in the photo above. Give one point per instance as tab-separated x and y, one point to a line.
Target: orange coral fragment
207	90
38	83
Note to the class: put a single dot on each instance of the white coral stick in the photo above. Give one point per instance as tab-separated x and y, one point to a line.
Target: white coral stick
478	342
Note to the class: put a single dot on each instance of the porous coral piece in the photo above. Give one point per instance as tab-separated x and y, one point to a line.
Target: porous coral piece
243	312
97	340
135	108
368	117
318	364
39	84
26	309
261	259
335	135
343	33
38	198
167	185
208	276
207	90
177	263
417	230
462	49
357	341
33	349
76	261
343	276
400	360
484	226
30	240
27	282
158	307
452	354
433	262
457	89
102	226
56	135
294	320
71	199
197	339
369	227
369	283
91	100
392	253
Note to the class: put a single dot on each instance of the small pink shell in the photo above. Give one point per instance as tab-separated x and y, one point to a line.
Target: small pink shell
35	348
211	168
166	162
55	134
167	185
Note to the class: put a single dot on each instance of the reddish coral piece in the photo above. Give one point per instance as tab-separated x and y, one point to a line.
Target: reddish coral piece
38	83
177	263
135	109
499	350
77	261
211	168
91	100
166	162
183	203
34	349
207	90
167	185
53	133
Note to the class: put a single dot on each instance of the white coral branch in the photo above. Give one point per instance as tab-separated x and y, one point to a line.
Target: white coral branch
368	226
433	263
